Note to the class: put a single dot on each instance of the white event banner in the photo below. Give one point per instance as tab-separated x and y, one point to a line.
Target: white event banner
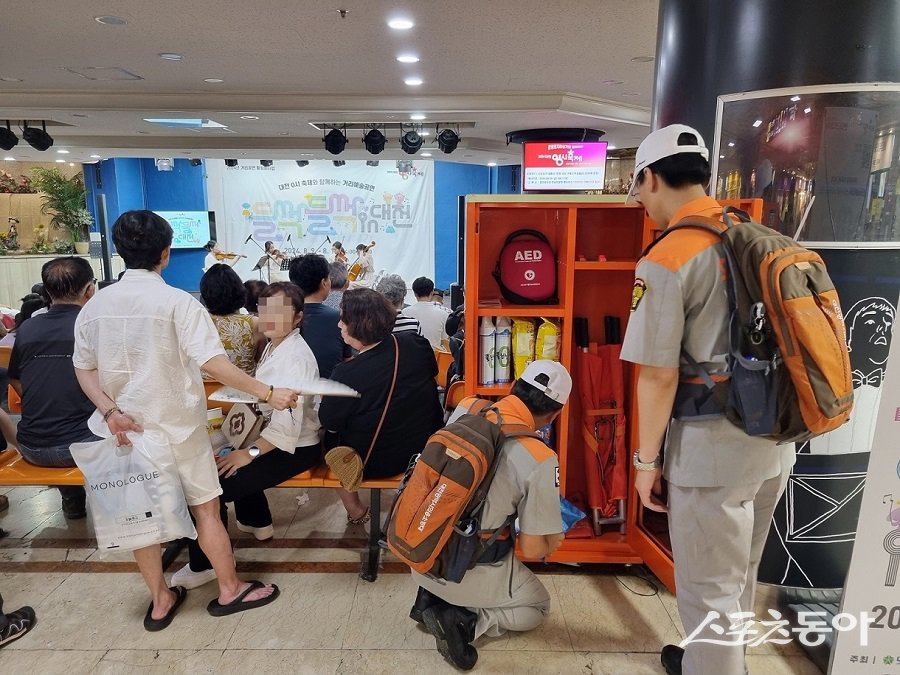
302	209
872	590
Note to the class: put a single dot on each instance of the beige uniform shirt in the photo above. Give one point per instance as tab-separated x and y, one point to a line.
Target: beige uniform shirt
680	301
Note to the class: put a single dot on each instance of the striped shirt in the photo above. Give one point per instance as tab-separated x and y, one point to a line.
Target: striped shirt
406	323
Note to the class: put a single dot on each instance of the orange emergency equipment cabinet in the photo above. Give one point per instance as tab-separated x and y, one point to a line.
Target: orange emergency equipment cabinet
597	241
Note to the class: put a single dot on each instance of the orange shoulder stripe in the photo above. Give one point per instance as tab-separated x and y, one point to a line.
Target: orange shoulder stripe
536	449
680	247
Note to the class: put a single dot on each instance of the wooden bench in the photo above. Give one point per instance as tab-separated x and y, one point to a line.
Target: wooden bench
16	471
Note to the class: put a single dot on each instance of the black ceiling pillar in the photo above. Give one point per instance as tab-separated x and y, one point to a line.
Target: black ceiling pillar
706	48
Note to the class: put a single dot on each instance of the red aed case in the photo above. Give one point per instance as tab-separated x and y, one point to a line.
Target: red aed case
526	269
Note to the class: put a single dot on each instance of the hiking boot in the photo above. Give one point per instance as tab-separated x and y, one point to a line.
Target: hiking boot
453	629
18	623
671	657
424	600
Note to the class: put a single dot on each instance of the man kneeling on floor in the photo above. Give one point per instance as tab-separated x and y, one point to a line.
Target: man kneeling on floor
505	595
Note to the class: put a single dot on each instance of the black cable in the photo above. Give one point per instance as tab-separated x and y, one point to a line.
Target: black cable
639	573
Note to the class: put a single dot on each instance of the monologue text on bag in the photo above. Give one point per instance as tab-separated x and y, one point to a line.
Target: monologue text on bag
123	482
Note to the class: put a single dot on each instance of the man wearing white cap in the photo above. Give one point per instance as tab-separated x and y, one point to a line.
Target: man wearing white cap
723	484
505	595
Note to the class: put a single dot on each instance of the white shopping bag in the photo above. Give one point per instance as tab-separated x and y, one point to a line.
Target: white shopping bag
134	493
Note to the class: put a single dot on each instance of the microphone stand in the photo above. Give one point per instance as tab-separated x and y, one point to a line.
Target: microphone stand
327	241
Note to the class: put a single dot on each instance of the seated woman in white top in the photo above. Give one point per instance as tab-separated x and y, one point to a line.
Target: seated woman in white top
290	440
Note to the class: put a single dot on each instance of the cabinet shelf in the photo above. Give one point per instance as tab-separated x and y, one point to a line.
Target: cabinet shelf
522	310
606	266
493	389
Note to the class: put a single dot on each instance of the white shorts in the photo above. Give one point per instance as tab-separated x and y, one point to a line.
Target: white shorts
197	469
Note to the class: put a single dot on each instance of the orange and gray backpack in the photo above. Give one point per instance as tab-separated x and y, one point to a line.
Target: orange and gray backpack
434	521
788	362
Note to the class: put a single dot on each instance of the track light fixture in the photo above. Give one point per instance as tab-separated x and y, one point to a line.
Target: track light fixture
230	162
447	140
265	162
196	162
8	139
338	162
335	141
411	141
302	162
372	162
38	139
374	140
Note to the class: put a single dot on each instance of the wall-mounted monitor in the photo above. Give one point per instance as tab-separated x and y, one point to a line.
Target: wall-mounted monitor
564	166
190	229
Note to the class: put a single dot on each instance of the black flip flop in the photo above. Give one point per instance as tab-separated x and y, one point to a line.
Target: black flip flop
238	604
152	624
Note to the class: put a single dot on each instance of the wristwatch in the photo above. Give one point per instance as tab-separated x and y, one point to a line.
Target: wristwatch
645	466
254	451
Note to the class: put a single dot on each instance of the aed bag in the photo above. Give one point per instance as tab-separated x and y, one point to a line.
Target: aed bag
526	269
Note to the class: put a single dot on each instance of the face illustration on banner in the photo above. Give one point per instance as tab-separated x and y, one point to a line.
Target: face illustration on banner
869	324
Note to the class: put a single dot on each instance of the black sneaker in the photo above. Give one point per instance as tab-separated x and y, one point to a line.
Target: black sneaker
671	657
424	600
453	629
73	503
19	622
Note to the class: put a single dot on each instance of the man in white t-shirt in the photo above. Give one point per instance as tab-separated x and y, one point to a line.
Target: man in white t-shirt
139	347
431	315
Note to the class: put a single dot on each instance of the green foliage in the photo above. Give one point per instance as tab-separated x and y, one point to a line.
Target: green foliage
64	199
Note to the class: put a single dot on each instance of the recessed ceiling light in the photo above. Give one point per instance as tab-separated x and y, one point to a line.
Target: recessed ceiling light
95	156
425	154
400	24
62	152
9	159
721	156
417	116
10	79
492	163
171	56
611	82
60	161
795	98
413	81
757	123
731	144
249	117
807	110
408	58
283	133
71	164
610	147
213	80
107	20
642	59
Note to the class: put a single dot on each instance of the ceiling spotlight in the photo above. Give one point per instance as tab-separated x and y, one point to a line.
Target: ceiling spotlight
807	110
171	56
411	141
9	159
335	141
372	162
213	80
196	162
374	141
757	123
447	140
408	58
302	162
418	117
38	139
492	163
266	162
62	152
60	161
795	98
426	154
8	139
338	162
95	157
400	24
230	162
413	81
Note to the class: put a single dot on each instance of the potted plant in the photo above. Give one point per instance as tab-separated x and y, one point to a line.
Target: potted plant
64	199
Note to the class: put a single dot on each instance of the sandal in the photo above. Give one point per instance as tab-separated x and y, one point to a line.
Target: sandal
152	624
362	520
215	608
347	465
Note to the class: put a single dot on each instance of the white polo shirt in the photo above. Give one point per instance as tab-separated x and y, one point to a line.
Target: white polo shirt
432	317
148	341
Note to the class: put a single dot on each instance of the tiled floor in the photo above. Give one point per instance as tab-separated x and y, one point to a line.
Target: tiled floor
327	619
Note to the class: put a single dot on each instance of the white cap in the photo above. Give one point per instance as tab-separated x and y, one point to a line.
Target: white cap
557	385
663	143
